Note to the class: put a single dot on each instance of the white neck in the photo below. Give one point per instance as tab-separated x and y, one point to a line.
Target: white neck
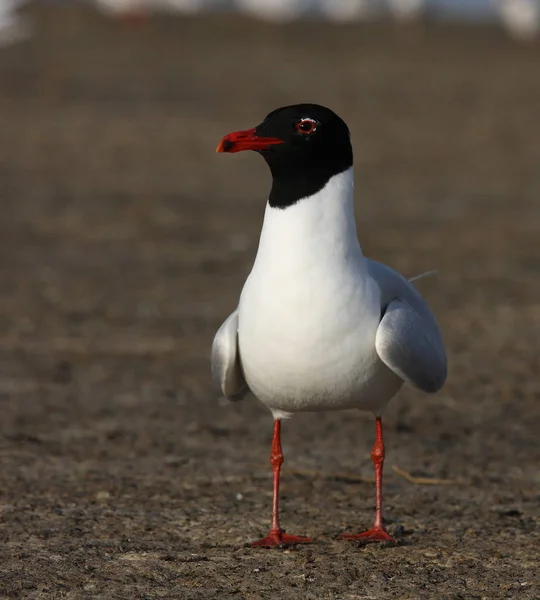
319	227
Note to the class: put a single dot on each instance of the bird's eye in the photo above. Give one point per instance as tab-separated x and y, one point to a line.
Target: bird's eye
306	125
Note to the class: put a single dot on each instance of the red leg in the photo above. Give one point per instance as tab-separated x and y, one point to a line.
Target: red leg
277	536
377	533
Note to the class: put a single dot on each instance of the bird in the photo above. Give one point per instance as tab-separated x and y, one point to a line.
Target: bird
318	325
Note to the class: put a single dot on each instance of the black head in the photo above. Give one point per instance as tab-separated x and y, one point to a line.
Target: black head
304	145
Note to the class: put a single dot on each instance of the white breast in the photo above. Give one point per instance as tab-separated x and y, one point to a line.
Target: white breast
309	311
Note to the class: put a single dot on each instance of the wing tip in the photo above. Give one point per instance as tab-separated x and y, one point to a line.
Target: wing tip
423	275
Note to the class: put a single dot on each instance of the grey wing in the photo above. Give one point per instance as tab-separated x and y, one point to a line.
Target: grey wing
225	360
408	339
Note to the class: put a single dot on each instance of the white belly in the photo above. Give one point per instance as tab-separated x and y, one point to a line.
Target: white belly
309	311
309	347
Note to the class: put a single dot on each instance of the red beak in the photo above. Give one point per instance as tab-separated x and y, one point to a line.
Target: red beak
245	140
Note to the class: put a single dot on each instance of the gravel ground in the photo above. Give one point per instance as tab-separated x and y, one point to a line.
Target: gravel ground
126	240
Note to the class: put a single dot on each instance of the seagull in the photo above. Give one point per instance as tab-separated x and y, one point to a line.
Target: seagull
319	326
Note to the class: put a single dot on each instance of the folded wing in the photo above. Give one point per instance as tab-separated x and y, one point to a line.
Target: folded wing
408	339
225	360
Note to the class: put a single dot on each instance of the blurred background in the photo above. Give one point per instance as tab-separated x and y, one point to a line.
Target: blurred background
521	18
125	244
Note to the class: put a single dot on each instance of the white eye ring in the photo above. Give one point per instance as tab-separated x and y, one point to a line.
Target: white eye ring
303	121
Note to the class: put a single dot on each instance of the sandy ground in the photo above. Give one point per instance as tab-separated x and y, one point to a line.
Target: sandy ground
125	242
